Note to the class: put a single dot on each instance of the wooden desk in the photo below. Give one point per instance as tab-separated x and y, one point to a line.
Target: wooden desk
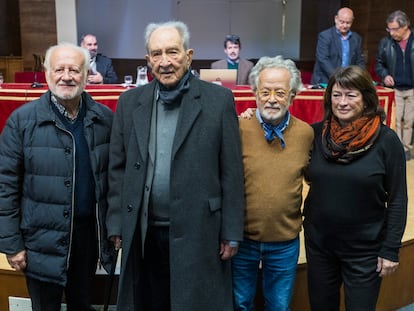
307	106
9	65
13	283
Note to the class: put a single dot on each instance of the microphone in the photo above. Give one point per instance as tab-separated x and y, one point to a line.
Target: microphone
36	84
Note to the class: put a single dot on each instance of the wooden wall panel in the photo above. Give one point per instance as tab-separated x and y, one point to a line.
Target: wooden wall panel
38	25
38	28
9	65
316	15
370	21
9	28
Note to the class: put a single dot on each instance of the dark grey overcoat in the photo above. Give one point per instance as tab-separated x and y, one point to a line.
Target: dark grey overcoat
207	194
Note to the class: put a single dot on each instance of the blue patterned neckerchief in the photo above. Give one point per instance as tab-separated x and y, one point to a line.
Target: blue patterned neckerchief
273	131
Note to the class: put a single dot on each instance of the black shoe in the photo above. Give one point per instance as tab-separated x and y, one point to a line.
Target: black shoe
407	155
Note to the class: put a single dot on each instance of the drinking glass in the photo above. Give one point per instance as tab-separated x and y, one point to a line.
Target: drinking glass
142	78
1	79
128	80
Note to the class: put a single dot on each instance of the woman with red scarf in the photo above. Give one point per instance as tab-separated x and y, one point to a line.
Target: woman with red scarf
355	212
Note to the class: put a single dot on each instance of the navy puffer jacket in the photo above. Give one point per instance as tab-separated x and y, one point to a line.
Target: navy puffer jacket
37	160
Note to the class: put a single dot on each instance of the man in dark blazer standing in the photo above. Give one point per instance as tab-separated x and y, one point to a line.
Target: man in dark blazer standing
337	46
176	198
102	71
232	47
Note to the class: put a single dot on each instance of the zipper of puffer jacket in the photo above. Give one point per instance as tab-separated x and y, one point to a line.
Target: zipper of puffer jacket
98	233
73	193
90	143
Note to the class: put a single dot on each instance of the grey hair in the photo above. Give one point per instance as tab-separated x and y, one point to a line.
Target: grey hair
178	25
276	62
84	52
400	17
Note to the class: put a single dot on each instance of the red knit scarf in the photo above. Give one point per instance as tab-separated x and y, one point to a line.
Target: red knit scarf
344	144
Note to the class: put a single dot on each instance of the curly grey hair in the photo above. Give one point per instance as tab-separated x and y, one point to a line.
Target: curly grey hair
276	62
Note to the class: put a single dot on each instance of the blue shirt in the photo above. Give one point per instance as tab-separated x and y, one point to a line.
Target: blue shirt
345	48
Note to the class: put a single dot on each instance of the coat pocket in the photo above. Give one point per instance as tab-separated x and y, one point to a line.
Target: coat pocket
214	204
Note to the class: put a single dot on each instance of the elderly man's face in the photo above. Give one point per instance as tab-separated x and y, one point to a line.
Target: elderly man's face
66	77
167	57
273	95
343	21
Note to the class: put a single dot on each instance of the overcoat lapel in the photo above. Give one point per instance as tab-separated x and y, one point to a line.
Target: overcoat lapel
142	121
190	109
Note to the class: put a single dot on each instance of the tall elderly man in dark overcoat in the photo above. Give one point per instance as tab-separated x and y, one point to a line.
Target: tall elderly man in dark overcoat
176	198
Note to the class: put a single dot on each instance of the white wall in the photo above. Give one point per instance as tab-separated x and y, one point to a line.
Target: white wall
119	25
66	21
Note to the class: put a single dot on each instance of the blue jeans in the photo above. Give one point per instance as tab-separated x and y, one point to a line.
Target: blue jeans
279	261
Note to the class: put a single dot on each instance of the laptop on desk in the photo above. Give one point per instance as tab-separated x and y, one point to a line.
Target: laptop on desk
224	77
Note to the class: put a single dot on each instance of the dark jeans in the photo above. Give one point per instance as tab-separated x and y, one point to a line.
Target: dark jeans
331	262
47	296
157	269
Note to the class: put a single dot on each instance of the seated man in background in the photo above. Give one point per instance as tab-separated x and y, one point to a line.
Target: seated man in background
102	71
232	48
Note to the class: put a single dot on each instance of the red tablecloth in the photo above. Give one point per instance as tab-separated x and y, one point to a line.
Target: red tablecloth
307	105
30	77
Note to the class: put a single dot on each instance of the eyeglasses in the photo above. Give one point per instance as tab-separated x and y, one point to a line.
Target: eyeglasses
393	29
279	94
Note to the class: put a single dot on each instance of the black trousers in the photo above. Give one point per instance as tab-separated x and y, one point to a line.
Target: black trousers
47	296
333	262
156	269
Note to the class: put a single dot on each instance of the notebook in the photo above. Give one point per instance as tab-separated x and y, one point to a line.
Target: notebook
224	77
